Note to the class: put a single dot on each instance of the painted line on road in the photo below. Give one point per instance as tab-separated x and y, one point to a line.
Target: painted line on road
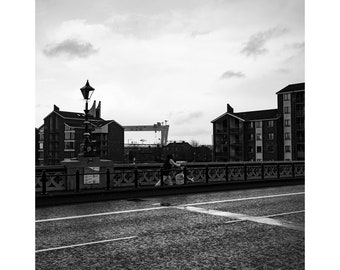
101	214
85	244
243	217
245	199
163	207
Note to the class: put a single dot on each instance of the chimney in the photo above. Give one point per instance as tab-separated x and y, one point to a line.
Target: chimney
98	110
230	109
92	110
55	108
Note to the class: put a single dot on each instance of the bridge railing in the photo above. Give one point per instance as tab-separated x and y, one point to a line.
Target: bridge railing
54	178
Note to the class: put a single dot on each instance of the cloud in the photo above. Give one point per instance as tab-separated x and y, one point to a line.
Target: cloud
71	48
283	71
183	118
256	43
230	74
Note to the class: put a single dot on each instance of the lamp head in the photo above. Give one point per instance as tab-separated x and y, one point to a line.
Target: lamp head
86	90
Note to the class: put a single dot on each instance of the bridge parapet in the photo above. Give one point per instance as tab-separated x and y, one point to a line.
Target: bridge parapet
56	178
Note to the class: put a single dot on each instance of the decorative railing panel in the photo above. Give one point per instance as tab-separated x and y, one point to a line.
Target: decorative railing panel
236	173
254	172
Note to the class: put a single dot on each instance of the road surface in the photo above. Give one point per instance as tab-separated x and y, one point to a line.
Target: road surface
245	229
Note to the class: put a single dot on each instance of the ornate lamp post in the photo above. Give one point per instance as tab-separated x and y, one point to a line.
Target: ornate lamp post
86	147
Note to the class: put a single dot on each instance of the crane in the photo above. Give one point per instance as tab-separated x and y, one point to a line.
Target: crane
164	129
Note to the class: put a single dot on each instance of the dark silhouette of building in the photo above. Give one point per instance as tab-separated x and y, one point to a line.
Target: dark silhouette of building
62	132
291	105
275	134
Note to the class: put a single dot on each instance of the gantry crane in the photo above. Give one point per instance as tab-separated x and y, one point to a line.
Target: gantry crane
163	128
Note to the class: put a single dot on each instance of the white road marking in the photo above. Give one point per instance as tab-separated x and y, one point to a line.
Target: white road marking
85	244
163	207
245	199
101	214
242	217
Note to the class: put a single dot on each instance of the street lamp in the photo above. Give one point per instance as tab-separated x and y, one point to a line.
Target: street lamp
86	147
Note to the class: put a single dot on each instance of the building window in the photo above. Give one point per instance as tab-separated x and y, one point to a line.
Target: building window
251	136
258	124
41	145
287	136
41	136
271	136
258	136
287	148
250	124
286	110
286	97
69	145
270	123
287	123
250	149
69	135
258	149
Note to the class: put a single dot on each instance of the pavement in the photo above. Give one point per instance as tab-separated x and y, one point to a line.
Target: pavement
259	228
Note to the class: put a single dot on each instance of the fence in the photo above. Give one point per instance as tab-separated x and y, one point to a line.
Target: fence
54	178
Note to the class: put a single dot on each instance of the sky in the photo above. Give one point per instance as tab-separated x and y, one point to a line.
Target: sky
180	61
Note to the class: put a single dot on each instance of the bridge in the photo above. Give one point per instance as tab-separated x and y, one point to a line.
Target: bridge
258	228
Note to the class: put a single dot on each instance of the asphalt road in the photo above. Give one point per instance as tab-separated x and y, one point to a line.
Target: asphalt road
247	229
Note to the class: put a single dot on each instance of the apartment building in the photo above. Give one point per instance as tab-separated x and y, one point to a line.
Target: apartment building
62	133
264	135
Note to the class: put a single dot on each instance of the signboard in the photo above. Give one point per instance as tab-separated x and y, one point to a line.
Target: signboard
91	178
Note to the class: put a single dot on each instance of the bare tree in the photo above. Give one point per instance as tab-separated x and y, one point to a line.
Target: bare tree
194	143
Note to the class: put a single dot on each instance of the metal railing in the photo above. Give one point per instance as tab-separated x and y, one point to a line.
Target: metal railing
56	178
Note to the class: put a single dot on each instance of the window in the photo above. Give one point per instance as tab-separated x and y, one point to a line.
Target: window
69	145
287	136
286	110
287	123
41	146
287	148
251	137
286	97
250	124
270	123
270	148
250	149
258	136
258	149
270	136
258	124
69	135
41	136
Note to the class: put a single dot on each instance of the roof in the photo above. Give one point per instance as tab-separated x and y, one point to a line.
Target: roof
292	88
252	115
255	115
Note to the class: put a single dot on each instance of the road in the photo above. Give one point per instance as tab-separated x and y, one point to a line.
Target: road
245	229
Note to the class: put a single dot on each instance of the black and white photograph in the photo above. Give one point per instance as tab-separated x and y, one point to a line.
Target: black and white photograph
169	134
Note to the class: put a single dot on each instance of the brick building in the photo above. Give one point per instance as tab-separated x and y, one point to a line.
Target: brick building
275	134
62	132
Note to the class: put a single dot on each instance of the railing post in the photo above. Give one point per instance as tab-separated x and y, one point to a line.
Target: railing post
226	173
77	181
278	170
161	177
245	172
185	175
262	171
136	177
108	179
206	174
43	182
293	170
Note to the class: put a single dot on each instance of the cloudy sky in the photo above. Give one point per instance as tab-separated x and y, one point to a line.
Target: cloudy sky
174	60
